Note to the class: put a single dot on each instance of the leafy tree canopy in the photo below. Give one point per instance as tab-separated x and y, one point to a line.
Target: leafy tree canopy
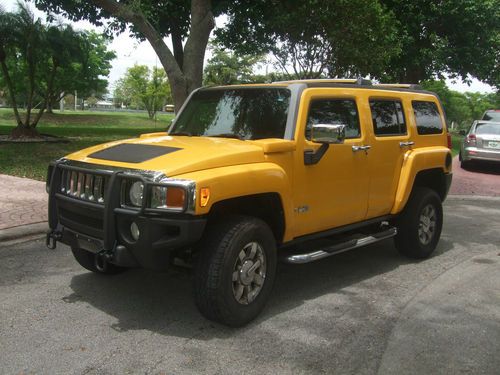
228	68
41	61
453	37
143	88
312	38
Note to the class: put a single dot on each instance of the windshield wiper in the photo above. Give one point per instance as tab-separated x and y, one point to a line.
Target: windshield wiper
226	135
182	133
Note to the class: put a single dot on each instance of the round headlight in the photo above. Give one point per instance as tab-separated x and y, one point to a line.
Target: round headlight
136	193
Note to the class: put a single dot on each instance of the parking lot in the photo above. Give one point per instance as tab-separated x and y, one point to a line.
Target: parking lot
366	311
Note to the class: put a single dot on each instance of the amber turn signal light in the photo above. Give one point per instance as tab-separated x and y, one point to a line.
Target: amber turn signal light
204	196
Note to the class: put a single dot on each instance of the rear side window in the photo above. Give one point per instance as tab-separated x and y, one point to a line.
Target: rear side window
388	117
427	117
335	112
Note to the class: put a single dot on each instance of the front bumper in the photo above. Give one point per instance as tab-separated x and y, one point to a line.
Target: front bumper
474	153
105	228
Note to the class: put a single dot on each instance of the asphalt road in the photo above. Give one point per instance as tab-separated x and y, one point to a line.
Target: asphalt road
367	311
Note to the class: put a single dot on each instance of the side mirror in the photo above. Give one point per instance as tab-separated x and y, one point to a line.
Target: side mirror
461	132
328	133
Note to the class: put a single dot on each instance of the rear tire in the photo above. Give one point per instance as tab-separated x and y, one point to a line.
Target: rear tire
95	263
464	164
420	223
235	270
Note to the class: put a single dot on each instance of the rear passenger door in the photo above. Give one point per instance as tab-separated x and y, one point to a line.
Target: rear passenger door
389	126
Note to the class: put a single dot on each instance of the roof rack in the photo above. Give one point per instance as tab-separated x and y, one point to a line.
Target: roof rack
410	86
352	81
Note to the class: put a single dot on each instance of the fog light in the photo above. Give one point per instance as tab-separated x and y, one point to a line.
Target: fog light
134	231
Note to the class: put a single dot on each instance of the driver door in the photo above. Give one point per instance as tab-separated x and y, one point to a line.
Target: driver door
334	191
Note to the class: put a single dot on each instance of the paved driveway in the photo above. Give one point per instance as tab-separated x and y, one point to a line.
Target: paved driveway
361	312
480	179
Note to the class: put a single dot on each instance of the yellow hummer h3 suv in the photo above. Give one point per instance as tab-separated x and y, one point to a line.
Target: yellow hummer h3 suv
250	174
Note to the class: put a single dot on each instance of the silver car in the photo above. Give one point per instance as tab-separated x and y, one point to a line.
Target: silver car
481	142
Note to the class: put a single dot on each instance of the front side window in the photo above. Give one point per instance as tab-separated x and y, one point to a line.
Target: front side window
251	113
388	117
334	112
427	117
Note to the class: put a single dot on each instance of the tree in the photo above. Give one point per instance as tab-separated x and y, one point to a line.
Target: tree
143	88
456	38
227	68
310	39
180	20
40	61
91	63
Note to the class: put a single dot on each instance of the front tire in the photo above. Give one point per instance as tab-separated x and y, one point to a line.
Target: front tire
235	270
95	263
420	224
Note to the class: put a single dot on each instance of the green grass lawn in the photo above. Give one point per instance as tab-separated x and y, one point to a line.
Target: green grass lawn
82	129
455	141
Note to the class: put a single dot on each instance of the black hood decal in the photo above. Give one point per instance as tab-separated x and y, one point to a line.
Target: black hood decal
132	153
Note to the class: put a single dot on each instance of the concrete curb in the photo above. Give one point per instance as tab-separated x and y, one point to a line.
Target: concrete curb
14	233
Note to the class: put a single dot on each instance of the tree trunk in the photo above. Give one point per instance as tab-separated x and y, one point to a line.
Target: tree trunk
24	132
188	76
10	87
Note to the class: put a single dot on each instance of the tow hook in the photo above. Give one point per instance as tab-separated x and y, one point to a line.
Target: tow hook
105	254
101	260
52	238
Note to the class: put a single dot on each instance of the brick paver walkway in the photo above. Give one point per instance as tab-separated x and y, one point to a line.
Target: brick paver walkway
480	179
22	201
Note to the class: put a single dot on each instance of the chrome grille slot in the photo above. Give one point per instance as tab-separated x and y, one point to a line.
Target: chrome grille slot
83	185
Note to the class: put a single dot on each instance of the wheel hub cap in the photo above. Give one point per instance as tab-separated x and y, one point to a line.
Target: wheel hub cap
427	224
246	273
249	273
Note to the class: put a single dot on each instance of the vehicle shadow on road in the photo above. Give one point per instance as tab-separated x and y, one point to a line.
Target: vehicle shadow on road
163	302
484	167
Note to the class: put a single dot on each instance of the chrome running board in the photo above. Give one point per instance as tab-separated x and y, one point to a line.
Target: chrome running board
340	248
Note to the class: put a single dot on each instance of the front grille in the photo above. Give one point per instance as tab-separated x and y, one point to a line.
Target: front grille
83	185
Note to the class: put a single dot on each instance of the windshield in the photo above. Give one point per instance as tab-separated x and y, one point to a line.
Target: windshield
492	116
250	113
483	128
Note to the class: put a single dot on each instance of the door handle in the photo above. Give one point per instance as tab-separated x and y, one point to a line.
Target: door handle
361	148
406	144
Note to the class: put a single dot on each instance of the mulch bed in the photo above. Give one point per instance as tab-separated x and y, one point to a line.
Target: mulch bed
43	138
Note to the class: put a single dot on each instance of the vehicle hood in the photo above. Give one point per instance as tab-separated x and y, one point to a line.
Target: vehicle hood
175	155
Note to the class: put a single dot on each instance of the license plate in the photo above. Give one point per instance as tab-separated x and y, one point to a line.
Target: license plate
494	145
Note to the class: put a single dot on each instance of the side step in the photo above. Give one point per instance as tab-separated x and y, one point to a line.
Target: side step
340	247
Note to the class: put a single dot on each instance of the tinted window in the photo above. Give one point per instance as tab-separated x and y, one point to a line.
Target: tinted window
427	117
243	113
388	117
336	112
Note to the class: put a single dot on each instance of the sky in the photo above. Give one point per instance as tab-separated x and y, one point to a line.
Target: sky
129	52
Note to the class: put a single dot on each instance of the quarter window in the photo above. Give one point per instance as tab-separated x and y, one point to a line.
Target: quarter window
335	112
427	117
388	117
